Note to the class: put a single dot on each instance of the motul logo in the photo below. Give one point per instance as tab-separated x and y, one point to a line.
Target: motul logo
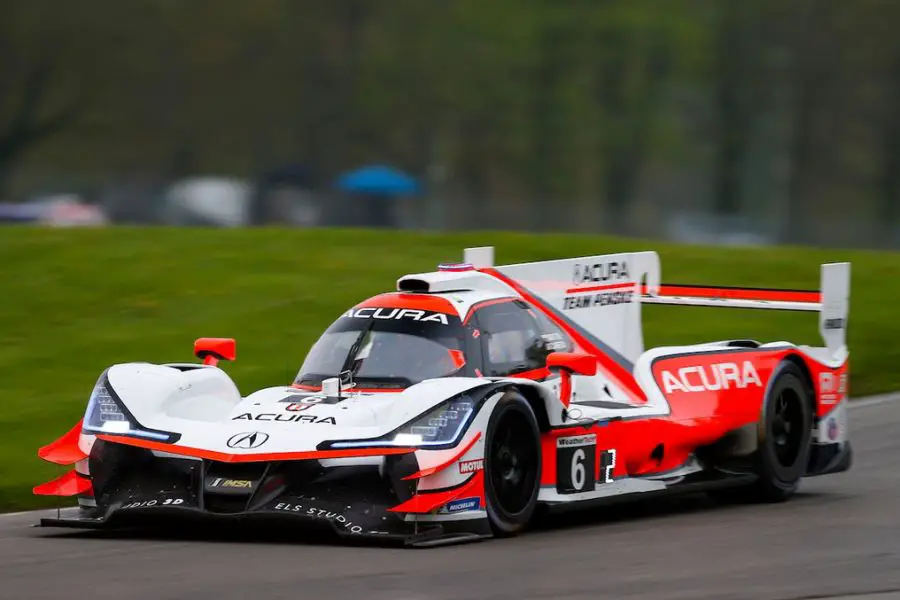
470	466
711	378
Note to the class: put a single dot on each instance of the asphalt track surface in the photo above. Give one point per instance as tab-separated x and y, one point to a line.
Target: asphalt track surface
839	538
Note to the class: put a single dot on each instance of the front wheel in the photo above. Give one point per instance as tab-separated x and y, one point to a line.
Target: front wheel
512	465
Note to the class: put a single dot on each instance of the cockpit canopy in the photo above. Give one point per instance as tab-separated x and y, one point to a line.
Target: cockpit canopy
379	347
396	340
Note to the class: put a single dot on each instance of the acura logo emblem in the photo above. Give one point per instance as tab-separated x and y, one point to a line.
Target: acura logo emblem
248	441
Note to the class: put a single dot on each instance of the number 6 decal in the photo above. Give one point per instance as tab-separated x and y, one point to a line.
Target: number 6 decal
576	464
578	469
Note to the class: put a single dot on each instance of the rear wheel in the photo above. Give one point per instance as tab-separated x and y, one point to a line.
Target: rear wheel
512	465
784	435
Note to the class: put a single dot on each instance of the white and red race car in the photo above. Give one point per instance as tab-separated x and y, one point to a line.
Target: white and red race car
452	408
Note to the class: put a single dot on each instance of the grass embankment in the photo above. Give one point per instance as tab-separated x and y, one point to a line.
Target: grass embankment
76	301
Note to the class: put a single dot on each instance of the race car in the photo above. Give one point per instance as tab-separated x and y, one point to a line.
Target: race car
460	404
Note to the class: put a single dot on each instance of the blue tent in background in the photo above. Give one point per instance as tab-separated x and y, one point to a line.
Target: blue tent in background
378	180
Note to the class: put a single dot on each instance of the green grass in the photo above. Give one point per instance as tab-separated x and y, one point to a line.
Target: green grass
76	301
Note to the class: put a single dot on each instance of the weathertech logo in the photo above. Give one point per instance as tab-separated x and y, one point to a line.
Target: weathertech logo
470	466
711	378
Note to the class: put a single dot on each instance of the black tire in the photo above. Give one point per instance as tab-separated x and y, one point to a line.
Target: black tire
784	435
512	465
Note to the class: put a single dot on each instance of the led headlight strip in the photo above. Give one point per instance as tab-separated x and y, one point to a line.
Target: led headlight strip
107	414
440	427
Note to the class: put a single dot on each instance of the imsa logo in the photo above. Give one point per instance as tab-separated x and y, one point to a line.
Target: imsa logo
711	378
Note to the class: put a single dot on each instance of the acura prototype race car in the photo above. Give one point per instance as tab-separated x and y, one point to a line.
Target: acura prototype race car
458	405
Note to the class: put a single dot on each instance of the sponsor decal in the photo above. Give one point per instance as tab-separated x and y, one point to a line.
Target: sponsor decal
834	323
221	482
313	399
248	440
397	313
461	505
319	513
576	440
285	418
553	342
150	503
833	429
299	403
711	378
832	387
600	272
601	299
470	466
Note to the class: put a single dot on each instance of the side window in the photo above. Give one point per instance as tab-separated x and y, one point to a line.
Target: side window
509	334
555	340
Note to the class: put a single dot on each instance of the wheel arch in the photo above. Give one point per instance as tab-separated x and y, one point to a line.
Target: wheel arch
535	396
801	364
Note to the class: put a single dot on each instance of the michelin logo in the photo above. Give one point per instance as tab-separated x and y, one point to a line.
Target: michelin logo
461	505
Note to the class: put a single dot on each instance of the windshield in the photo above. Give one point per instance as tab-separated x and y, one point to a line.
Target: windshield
386	348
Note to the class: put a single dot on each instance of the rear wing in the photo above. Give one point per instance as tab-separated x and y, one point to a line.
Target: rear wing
603	294
831	300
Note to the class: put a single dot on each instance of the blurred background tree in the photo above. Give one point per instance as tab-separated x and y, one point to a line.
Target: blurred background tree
625	116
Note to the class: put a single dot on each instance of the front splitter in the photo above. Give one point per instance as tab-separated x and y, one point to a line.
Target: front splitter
400	533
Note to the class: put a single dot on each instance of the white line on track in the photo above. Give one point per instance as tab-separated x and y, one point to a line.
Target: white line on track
874	400
26	512
863	402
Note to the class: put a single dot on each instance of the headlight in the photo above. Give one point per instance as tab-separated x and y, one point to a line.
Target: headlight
442	426
106	414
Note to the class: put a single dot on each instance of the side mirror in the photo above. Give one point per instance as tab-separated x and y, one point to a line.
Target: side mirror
212	350
568	363
579	364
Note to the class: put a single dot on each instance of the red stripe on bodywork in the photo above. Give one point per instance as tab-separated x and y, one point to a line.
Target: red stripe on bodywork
446	463
70	484
734	293
65	450
429	501
533	374
256	457
412	301
599	288
611	368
